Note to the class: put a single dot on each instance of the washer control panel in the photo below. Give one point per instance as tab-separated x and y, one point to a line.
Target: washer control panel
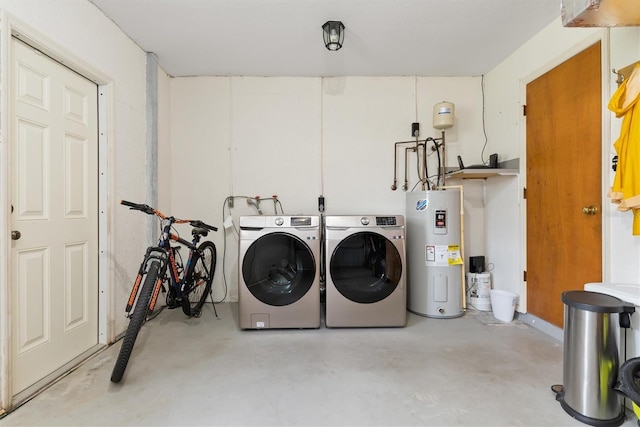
386	220
300	221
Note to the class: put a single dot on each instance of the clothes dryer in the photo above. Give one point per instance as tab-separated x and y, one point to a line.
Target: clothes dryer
365	273
279	272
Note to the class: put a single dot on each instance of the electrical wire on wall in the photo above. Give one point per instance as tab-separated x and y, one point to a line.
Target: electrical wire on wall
321	199
424	173
322	138
484	129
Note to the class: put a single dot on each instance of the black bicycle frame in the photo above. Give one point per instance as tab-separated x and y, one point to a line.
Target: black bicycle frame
165	254
177	283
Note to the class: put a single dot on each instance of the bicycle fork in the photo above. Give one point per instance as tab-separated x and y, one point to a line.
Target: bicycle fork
152	254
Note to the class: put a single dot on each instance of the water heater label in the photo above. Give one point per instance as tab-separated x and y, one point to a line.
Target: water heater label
422	204
440	222
436	255
442	255
430	253
454	255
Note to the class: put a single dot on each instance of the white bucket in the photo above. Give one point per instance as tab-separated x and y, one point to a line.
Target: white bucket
484	285
503	304
480	287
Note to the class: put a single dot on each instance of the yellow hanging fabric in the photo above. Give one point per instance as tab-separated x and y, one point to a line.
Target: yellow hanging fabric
625	191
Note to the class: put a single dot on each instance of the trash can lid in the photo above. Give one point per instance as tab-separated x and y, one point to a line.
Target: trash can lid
593	301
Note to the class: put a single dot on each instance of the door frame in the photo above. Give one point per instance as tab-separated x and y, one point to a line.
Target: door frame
603	37
12	27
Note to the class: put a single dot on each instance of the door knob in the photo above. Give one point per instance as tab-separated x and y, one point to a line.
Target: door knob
15	235
590	210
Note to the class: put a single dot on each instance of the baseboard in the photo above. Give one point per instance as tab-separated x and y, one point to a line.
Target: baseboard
542	325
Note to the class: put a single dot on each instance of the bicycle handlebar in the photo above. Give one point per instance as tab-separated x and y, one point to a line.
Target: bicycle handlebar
151	211
198	223
139	207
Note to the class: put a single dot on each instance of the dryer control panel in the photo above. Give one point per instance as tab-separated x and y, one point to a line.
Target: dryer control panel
300	221
386	220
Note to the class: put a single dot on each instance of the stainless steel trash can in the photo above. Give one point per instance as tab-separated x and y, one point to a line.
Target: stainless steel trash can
590	364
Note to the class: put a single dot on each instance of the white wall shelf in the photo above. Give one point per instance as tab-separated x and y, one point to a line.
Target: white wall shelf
481	173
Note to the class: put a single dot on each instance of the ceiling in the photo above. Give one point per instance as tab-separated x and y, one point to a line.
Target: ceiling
284	37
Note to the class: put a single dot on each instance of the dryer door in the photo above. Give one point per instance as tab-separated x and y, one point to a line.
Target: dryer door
278	269
366	267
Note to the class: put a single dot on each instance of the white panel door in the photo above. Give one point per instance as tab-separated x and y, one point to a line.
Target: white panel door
54	161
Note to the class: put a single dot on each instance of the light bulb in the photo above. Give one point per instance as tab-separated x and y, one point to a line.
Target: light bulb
333	36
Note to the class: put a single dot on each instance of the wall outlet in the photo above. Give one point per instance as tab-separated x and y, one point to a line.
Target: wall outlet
415	129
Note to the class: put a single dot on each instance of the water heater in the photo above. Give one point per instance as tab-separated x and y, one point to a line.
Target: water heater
434	259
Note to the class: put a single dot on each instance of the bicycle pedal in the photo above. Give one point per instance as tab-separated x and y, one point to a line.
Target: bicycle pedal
186	306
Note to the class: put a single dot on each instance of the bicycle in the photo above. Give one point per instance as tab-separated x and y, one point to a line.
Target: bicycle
187	285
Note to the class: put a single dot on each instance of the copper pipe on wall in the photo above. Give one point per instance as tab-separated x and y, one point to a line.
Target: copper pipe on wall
444	161
394	186
405	187
417	144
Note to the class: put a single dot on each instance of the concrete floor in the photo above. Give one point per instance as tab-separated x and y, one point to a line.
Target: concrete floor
469	371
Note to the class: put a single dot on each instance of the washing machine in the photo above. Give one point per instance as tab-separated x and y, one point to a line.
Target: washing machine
629	338
365	274
279	272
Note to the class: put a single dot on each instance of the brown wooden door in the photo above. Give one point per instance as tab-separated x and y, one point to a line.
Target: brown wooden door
564	140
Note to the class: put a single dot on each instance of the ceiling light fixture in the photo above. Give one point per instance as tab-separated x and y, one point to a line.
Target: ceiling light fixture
333	33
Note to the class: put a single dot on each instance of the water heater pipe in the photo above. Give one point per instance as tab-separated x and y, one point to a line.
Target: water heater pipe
444	163
464	282
405	187
424	164
416	145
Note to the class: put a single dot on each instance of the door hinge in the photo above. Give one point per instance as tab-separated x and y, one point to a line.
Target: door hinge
524	192
524	110
524	275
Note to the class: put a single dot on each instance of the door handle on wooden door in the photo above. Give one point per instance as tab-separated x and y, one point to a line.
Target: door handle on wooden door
15	235
590	210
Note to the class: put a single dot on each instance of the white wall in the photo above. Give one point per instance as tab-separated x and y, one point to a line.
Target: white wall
78	29
302	137
362	117
200	157
505	128
275	127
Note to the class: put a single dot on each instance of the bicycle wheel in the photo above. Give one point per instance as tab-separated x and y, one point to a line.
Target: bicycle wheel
137	319
200	277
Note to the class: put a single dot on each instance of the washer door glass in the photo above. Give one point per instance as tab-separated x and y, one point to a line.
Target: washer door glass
278	269
366	267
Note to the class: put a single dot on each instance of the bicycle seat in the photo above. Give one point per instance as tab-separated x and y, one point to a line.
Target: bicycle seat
199	231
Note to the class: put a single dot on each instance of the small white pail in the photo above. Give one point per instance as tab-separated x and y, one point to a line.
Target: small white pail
503	304
480	287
